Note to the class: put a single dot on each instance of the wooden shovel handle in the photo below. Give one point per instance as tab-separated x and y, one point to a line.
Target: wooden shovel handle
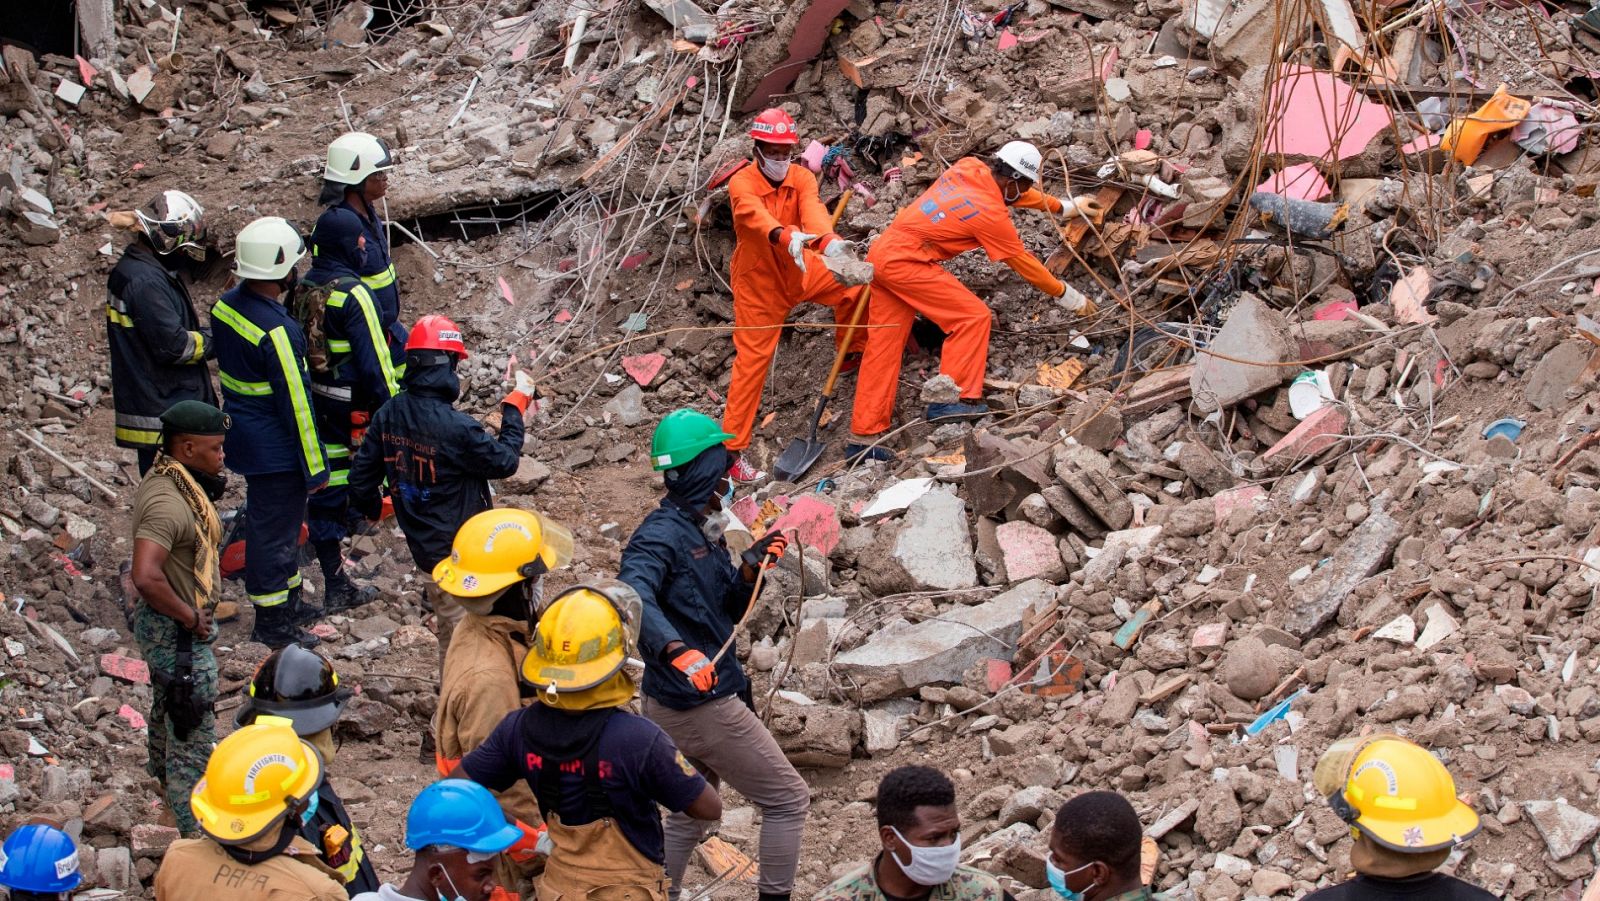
844	346
838	210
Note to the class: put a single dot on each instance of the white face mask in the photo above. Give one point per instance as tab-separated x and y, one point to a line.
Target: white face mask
775	170
931	865
714	526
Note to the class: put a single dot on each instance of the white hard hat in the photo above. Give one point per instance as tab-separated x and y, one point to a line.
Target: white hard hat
267	249
354	156
174	220
1023	158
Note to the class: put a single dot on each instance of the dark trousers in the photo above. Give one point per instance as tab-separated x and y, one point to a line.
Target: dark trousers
275	509
328	511
147	458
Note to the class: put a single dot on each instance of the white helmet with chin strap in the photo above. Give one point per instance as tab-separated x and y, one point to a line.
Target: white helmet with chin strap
173	220
355	156
267	250
1023	158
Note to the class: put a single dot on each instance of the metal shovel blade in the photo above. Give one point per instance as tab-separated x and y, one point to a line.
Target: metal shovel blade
797	458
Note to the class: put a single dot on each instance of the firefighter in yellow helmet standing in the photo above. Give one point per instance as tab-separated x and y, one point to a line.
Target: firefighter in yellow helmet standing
495	571
601	774
1404	816
260	786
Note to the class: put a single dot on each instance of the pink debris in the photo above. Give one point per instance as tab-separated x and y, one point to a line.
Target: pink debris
816	521
1142	139
644	367
1337	311
1303	182
1210	635
326	632
505	291
519	52
1315	434
1007	40
996	674
1409	294
746	509
128	669
634	260
1109	64
134	718
1241	498
1320	116
86	71
564	316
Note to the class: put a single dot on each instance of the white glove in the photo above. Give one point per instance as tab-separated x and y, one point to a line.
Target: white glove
1074	301
797	243
840	248
525	383
544	846
1086	206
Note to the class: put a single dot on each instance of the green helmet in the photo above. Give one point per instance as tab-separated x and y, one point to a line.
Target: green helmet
681	436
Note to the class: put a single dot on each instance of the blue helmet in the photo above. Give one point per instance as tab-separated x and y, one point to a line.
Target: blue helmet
40	859
461	814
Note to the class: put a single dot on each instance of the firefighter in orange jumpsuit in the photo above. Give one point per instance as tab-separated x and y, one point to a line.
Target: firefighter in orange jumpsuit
780	226
965	209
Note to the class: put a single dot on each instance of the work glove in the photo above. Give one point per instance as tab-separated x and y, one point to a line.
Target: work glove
523	393
839	248
535	842
697	668
1075	301
797	245
774	543
1085	206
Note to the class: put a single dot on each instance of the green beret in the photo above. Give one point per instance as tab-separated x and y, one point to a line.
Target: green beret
194	417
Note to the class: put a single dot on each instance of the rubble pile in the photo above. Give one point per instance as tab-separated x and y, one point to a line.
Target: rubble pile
1324	463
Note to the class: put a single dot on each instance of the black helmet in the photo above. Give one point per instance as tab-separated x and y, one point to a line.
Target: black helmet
298	684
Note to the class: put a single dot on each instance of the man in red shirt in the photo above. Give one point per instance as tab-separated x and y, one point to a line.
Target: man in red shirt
967	208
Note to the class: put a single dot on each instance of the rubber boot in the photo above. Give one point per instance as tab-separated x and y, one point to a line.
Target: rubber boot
275	628
301	612
338	592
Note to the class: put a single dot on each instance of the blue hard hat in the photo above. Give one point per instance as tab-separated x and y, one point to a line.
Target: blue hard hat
41	859
461	814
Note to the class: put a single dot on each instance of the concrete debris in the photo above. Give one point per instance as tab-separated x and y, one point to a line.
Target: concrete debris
1361	555
1564	828
1245	358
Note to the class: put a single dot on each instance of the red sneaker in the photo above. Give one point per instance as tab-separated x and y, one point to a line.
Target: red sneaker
743	473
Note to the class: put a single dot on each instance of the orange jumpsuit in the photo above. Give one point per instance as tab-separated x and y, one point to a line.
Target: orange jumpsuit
961	211
767	284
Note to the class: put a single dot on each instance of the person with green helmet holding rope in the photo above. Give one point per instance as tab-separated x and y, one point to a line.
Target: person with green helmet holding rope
693	595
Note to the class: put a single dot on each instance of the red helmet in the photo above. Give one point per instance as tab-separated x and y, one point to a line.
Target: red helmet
775	126
437	333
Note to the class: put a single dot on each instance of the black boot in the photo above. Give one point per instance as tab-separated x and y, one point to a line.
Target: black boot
339	593
301	612
274	627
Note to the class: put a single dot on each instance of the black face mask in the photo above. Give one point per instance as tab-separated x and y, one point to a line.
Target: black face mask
213	485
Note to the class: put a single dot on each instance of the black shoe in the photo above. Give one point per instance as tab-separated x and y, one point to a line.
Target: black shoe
275	628
428	753
346	595
867	453
301	612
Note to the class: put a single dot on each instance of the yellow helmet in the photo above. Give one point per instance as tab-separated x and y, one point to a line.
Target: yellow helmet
501	547
252	779
1395	792
578	644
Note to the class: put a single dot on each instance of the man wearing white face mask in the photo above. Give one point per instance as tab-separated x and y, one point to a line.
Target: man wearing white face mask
921	836
1094	850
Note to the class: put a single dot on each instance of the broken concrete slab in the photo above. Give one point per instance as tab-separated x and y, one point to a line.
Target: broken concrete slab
932	549
1118	547
1564	828
1245	359
1555	372
1365	552
1087	475
941	650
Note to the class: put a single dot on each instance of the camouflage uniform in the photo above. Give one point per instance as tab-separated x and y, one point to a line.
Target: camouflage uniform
178	764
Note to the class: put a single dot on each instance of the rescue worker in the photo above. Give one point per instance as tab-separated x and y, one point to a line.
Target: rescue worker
457	831
354	179
599	772
260	788
1095	848
39	863
495	573
920	835
354	371
261	357
779	226
158	347
966	208
436	460
176	533
693	594
1404	816
302	687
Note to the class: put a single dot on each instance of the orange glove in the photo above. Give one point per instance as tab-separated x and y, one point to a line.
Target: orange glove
535	842
775	544
697	668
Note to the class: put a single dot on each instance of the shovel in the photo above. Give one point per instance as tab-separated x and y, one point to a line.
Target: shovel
802	452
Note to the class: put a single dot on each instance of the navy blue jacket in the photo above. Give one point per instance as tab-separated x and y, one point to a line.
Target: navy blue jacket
693	593
261	359
363	368
158	347
378	273
438	461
